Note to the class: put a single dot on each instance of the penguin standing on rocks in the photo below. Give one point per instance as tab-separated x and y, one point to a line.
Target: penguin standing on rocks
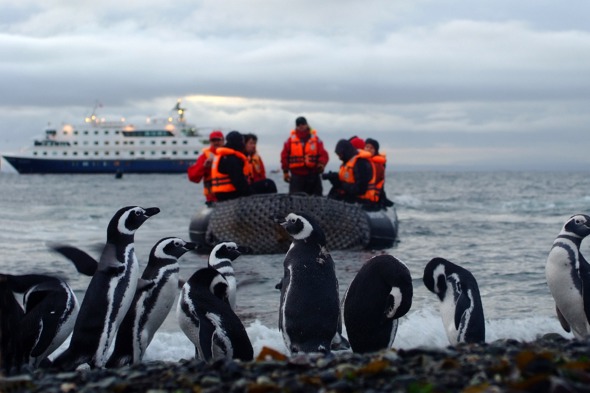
205	316
151	303
461	308
11	315
568	277
220	259
50	311
380	294
309	314
109	292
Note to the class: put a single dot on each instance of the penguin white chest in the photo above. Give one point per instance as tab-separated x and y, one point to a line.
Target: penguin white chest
447	312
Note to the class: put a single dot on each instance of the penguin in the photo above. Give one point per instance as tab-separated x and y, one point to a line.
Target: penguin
50	311
206	317
151	303
379	294
220	259
461	308
309	312
109	293
568	276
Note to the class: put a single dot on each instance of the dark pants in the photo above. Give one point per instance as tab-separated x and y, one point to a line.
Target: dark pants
309	184
266	186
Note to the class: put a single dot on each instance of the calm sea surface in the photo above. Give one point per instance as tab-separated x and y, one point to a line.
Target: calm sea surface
499	225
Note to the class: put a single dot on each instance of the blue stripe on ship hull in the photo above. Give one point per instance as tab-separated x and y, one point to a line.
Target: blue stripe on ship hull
40	166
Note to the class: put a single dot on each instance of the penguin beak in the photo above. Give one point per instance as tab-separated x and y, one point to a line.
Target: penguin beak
151	211
280	220
190	246
245	249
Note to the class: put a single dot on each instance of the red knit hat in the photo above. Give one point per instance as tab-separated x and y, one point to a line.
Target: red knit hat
216	135
357	142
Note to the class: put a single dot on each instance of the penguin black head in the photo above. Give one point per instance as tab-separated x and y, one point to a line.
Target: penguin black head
435	276
224	250
395	276
128	219
577	225
302	226
210	279
171	248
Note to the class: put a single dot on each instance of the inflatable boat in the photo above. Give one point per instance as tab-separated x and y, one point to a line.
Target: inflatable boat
251	222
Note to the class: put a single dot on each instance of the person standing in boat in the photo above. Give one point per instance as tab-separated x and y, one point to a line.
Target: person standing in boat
254	169
228	179
379	161
201	169
355	182
303	159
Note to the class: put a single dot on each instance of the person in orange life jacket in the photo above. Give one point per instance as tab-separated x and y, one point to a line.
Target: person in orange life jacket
379	161
254	169
201	169
357	142
355	181
303	160
228	180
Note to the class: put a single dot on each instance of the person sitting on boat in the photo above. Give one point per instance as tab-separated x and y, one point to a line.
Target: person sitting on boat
228	180
355	182
303	159
254	169
379	161
201	169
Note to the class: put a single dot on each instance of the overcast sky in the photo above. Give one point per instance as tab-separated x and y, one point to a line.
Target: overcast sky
439	83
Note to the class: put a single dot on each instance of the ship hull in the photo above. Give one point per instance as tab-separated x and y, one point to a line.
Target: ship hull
26	165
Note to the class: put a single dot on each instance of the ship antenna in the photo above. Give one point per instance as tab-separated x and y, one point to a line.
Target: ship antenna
180	111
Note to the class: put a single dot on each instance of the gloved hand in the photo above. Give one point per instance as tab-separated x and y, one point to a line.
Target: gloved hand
320	168
286	177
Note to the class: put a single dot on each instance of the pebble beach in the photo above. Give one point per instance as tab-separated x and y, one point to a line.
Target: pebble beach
549	364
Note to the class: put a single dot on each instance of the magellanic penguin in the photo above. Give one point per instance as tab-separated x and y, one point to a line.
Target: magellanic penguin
50	311
568	277
380	294
461	308
220	259
309	313
152	302
205	316
109	292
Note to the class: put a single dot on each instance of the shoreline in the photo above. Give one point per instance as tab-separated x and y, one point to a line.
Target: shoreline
546	364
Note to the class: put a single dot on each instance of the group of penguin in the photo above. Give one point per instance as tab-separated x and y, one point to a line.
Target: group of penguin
121	311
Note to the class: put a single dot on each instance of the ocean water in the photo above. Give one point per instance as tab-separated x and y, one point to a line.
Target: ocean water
499	225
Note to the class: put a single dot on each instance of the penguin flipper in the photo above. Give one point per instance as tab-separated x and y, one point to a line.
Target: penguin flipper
463	304
564	324
83	262
584	272
145	285
206	335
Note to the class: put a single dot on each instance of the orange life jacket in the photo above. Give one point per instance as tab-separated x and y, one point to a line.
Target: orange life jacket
303	154
207	176
220	182
254	170
379	161
346	175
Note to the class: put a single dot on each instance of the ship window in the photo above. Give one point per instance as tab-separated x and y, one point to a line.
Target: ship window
106	132
174	153
142	153
163	153
131	153
95	153
131	143
163	142
153	153
75	153
174	142
195	152
95	132
65	153
116	153
185	142
85	132
117	132
153	142
85	153
106	142
106	153
96	143
65	132
34	153
116	142
75	143
76	132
